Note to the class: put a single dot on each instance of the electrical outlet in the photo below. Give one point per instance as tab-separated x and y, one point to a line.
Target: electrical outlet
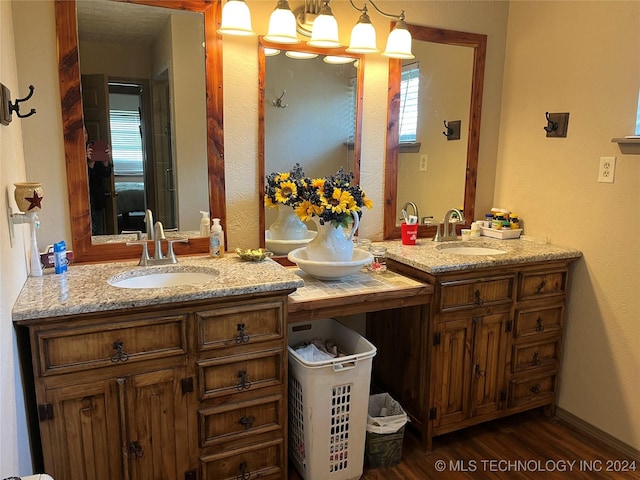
607	169
423	163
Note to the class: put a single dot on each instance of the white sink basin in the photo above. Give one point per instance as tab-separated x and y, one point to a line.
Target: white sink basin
155	279
471	250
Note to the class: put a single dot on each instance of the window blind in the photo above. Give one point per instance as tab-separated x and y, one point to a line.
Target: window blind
126	142
409	102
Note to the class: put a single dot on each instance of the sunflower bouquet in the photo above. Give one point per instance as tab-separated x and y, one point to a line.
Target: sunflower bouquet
332	199
282	188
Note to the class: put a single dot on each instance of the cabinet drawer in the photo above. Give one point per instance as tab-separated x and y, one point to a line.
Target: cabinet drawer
540	320
240	373
537	355
263	460
239	325
472	293
238	420
542	284
538	390
69	349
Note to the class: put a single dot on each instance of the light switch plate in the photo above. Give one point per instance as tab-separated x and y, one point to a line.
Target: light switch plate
5	98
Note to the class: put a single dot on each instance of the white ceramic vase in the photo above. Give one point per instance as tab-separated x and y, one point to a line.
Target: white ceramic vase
331	244
287	225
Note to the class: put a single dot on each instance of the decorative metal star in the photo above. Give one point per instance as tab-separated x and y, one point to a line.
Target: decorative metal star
34	201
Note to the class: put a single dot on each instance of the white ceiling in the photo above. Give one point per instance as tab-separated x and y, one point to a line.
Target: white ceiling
119	22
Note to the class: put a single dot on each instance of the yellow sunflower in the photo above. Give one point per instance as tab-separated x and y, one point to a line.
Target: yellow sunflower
285	190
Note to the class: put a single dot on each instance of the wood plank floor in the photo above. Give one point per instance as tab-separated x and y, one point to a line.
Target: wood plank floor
525	446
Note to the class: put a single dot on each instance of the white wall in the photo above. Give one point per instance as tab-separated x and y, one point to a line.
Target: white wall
582	58
14	447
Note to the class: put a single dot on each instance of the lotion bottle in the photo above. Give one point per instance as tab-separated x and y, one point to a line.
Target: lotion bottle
205	224
216	240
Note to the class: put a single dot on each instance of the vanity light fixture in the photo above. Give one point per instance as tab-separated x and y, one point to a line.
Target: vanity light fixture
363	35
236	19
324	33
282	25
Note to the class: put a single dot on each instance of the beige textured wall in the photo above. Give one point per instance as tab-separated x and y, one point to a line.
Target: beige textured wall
15	458
582	58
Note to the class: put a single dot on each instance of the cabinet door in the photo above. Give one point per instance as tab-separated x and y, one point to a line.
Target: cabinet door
489	355
81	440
451	372
156	411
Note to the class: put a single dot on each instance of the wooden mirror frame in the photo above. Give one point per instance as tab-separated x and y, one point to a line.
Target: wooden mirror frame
450	37
261	103
72	122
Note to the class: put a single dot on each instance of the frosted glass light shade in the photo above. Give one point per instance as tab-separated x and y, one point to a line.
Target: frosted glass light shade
271	52
324	33
337	60
236	19
300	55
282	25
399	43
363	38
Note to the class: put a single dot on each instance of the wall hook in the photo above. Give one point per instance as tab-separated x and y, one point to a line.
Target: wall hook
15	106
551	125
453	129
557	124
449	129
278	101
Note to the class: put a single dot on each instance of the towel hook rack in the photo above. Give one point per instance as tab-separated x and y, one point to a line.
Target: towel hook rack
551	125
278	101
15	106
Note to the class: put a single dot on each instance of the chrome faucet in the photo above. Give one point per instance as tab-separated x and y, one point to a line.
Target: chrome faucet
157	233
448	227
158	236
404	211
148	220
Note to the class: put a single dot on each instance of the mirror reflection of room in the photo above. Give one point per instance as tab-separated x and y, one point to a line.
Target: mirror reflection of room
310	112
143	89
431	167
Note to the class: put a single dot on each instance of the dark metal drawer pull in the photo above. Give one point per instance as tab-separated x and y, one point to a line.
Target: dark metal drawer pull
478	301
247	422
536	359
242	337
535	389
244	383
120	355
540	327
244	473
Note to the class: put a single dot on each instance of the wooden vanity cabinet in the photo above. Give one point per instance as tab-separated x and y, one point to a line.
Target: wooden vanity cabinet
193	391
490	346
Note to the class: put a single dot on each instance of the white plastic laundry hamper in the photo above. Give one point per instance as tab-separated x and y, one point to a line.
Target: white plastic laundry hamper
328	403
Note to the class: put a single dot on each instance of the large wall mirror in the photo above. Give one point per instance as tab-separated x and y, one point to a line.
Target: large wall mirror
427	164
310	110
144	76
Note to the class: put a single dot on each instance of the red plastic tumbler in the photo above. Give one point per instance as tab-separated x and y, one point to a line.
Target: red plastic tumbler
409	233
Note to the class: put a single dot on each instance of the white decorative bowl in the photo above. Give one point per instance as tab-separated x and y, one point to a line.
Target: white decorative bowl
282	247
330	270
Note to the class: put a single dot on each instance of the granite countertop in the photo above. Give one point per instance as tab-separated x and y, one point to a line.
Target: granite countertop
431	257
85	288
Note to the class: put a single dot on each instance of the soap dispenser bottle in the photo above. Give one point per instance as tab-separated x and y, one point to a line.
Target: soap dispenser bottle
205	224
216	240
